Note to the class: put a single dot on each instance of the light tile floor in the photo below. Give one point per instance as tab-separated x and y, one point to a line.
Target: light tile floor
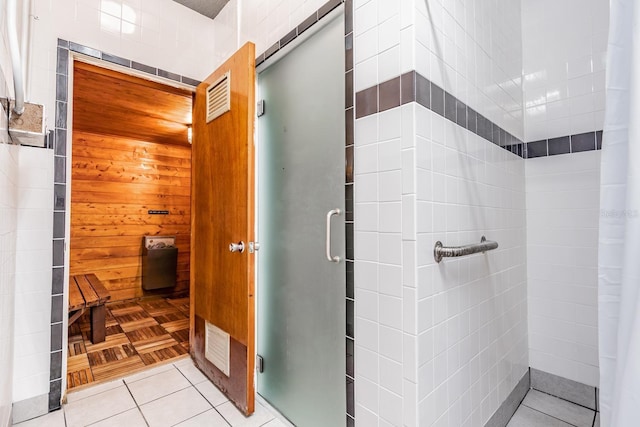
176	394
543	410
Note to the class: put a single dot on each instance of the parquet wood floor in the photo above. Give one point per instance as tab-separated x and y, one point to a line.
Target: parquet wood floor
139	334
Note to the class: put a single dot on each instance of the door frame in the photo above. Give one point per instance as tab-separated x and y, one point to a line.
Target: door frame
62	146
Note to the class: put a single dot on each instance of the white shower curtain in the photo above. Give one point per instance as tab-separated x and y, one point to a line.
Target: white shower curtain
619	243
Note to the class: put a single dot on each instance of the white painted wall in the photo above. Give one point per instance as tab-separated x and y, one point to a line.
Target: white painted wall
564	56
438	344
563	202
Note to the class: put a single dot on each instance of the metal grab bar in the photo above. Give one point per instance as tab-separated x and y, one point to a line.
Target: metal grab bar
440	251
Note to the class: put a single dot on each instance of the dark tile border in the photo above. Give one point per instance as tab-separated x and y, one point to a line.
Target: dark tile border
58	141
348	198
59	137
588	141
390	98
66	46
414	87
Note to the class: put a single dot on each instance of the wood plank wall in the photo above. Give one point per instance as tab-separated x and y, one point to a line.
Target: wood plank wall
130	154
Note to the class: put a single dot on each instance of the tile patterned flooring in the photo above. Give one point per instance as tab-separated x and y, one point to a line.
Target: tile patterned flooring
539	409
178	394
139	334
172	394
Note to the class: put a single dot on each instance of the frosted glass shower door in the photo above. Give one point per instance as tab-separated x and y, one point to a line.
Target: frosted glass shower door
301	169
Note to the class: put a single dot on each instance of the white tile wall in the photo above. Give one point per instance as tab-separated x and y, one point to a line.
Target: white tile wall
564	50
383	43
456	331
386	351
472	321
259	21
473	49
9	158
563	202
455	334
470	48
264	24
33	273
159	33
8	225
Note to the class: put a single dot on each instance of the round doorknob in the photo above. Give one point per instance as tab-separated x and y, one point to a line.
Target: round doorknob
236	247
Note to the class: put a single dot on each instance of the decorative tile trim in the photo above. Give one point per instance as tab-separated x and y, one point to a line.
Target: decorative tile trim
314	18
58	141
503	415
588	141
349	106
413	87
75	47
573	391
59	145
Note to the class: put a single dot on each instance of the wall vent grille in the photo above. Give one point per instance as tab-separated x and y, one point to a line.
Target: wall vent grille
219	97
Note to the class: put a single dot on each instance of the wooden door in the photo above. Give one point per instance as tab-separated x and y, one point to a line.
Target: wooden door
222	282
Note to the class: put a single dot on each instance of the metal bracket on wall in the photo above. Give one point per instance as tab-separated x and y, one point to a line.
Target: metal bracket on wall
259	363
261	108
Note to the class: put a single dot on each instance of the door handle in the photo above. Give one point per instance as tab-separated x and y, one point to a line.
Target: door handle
328	242
236	247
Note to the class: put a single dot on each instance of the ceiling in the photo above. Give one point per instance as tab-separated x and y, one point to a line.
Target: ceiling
110	103
209	8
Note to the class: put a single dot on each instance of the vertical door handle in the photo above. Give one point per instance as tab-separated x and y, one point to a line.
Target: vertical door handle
328	242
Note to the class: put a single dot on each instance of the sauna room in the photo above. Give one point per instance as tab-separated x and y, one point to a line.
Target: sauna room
129	224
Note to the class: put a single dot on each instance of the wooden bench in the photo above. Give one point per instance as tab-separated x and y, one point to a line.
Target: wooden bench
86	291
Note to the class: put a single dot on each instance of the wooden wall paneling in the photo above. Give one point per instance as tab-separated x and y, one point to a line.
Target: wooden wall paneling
121	169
